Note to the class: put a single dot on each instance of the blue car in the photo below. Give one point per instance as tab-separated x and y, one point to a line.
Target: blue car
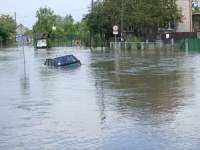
67	60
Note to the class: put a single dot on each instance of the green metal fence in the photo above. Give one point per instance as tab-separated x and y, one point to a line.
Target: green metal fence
65	41
194	44
70	40
190	44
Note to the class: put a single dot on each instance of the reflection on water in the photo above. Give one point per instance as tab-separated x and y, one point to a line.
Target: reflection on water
24	79
116	100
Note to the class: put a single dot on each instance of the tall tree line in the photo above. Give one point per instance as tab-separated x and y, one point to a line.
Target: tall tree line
142	15
56	25
7	29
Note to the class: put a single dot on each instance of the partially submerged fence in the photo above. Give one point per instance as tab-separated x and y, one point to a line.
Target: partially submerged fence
190	44
64	41
136	45
73	40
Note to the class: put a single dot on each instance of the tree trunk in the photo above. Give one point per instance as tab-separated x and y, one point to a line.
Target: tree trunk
101	40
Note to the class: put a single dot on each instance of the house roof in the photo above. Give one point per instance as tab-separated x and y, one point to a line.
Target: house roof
43	35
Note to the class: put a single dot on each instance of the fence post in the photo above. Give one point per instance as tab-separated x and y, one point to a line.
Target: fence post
147	43
142	45
186	44
161	43
172	41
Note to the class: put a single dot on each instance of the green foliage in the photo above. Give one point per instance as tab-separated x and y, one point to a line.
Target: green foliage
64	26
140	14
7	27
46	19
68	19
83	30
99	21
195	6
150	13
135	39
58	31
1	39
62	21
69	29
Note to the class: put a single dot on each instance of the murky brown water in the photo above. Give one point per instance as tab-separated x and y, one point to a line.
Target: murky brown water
117	100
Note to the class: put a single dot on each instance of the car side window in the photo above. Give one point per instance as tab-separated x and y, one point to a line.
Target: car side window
52	62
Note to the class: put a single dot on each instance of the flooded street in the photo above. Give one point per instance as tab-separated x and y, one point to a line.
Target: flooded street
117	100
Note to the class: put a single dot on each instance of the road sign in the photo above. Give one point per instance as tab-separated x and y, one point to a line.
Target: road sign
21	29
115	28
115	31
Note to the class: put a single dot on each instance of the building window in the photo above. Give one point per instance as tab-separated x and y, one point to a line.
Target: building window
167	26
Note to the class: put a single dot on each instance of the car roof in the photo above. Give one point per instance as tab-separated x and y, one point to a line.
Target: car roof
57	57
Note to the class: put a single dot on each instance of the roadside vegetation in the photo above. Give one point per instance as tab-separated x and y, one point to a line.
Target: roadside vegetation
195	6
60	27
7	29
144	17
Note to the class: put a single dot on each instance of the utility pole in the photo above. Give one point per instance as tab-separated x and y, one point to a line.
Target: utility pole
22	40
15	18
122	19
90	31
92	5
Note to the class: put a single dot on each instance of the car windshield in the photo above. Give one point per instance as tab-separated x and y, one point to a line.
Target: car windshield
65	59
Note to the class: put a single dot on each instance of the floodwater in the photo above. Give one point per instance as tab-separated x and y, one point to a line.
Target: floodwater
117	100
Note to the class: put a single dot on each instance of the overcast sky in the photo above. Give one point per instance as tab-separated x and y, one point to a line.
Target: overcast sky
26	9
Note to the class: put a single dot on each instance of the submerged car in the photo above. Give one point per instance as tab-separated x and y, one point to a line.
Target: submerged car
67	60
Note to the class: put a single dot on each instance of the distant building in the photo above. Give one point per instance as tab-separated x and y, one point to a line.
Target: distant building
186	11
41	40
180	30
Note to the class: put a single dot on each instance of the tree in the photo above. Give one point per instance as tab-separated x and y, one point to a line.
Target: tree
84	31
68	19
64	26
61	21
145	15
7	28
45	22
98	21
69	27
46	19
1	39
195	6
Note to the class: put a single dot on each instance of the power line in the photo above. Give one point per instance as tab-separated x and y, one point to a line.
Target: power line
76	10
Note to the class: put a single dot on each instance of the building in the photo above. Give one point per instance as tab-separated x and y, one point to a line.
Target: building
41	40
181	30
186	11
